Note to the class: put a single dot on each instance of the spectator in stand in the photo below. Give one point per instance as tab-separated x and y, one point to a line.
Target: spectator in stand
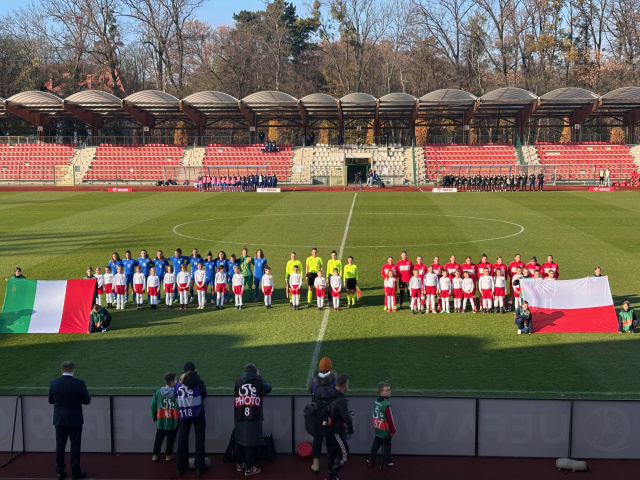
369	178
627	320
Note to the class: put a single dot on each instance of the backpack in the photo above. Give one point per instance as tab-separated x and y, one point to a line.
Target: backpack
317	417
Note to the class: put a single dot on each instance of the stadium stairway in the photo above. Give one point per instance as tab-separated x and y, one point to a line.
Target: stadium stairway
634	150
193	156
81	163
530	155
301	165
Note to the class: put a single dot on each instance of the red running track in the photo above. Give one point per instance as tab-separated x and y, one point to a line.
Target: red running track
285	467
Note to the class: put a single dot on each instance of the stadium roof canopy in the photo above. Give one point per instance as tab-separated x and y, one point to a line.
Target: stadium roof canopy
218	110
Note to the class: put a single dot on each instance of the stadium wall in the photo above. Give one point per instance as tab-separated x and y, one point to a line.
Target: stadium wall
426	426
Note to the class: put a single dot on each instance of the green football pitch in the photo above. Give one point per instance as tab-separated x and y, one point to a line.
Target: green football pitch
56	235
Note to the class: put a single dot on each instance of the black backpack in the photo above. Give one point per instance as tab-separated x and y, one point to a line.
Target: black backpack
317	417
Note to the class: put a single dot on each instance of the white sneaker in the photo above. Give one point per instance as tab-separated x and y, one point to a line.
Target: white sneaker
519	332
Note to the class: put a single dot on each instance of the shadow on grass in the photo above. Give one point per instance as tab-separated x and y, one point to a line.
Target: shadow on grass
459	364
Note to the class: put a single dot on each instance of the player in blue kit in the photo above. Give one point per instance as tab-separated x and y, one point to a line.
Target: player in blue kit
161	264
259	263
144	262
210	269
178	260
114	263
129	265
194	260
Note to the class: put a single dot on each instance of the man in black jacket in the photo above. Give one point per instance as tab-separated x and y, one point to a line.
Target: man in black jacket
340	423
67	395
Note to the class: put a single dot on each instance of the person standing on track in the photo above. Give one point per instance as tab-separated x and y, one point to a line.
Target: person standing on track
67	395
341	424
249	391
404	268
190	392
350	275
313	263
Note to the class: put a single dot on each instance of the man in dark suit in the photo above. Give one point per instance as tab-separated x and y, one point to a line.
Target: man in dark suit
67	395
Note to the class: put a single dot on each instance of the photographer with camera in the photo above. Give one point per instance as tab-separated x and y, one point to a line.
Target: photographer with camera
340	423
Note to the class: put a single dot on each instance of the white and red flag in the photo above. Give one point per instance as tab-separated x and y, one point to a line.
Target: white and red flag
581	305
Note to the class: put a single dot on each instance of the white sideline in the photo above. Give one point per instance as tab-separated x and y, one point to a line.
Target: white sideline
325	318
406	391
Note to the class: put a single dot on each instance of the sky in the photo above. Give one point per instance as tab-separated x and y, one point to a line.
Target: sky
214	12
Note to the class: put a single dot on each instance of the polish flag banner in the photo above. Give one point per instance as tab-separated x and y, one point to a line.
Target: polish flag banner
581	305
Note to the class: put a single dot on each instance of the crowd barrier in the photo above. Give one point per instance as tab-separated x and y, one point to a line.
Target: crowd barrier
426	426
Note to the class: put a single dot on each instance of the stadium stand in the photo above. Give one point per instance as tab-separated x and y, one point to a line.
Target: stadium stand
34	161
324	158
248	159
581	161
440	156
133	162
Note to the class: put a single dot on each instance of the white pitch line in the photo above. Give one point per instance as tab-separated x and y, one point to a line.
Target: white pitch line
325	317
363	391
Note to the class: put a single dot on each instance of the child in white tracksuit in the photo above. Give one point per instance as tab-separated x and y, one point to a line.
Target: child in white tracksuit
139	286
444	287
169	286
267	286
220	282
99	285
237	283
320	284
295	284
119	286
415	290
468	292
153	288
109	292
183	278
336	286
430	286
200	280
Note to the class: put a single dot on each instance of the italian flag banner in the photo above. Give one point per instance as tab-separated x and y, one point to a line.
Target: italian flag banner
38	306
581	305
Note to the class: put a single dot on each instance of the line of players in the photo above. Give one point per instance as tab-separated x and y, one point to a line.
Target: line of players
494	183
426	284
182	274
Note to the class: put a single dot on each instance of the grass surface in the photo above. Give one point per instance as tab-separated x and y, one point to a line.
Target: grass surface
54	235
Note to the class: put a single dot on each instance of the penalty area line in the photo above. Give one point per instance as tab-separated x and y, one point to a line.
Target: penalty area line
325	317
